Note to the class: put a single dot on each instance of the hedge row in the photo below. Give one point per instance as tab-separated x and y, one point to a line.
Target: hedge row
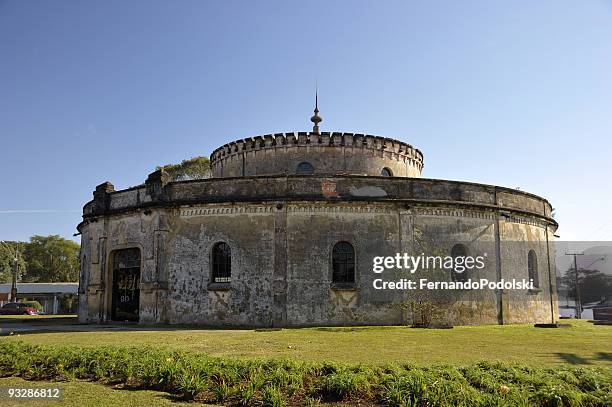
287	382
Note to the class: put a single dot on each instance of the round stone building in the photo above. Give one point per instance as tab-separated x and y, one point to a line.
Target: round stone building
286	232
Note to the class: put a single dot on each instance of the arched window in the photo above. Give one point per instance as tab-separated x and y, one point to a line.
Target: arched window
386	172
532	267
343	263
221	263
457	251
305	168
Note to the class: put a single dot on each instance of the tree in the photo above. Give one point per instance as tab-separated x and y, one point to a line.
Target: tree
7	258
194	168
51	259
422	307
593	284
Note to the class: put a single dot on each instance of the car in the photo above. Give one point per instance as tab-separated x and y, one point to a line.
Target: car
16	308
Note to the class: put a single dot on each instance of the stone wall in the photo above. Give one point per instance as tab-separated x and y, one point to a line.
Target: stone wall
158	193
328	153
281	231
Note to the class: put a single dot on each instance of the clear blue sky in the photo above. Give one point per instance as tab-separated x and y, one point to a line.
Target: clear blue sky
517	93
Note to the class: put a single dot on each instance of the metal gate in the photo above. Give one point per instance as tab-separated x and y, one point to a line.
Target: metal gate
126	280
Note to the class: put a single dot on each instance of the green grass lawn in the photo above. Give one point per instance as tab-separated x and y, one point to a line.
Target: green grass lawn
79	393
582	344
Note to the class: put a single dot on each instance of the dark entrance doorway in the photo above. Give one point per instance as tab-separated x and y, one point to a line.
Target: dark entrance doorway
126	280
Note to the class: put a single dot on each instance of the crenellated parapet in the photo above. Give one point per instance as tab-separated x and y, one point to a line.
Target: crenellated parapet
327	153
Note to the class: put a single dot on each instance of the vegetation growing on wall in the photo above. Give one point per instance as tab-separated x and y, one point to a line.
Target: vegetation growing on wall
426	308
193	168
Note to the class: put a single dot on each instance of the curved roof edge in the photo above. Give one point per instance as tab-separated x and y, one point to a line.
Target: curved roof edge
331	139
293	188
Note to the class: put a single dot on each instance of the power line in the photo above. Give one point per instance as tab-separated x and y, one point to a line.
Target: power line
577	302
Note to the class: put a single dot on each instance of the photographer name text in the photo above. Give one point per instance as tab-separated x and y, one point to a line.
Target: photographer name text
456	265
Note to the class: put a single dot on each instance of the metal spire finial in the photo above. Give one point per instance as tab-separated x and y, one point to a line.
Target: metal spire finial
316	119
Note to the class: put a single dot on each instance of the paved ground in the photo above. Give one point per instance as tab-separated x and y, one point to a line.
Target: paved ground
13	326
9	329
12	329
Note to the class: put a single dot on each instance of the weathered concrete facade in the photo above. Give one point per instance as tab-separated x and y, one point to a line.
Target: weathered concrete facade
328	153
281	228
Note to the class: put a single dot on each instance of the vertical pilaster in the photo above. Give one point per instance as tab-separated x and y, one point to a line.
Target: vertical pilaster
501	304
279	282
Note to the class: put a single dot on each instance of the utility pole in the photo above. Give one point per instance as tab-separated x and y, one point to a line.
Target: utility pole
577	301
15	270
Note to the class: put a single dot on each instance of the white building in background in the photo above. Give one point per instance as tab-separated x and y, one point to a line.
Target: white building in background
47	294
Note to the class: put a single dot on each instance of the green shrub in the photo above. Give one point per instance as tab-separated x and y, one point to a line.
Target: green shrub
246	394
276	382
222	392
345	384
272	397
311	402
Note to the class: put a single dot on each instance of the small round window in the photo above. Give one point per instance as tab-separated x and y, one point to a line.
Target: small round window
305	168
386	172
